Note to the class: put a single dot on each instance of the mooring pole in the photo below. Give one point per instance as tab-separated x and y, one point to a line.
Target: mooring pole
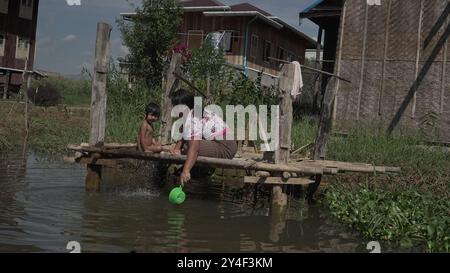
324	131
279	195
98	101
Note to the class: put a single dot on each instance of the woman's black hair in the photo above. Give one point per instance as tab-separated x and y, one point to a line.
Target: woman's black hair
153	109
182	97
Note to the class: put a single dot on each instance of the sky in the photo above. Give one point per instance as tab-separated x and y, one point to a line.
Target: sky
67	28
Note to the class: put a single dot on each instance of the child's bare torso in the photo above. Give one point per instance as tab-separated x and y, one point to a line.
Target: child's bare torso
147	139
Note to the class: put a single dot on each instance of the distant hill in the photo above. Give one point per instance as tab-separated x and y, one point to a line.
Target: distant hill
56	74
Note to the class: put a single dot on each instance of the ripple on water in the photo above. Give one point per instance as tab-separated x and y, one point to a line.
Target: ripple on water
44	205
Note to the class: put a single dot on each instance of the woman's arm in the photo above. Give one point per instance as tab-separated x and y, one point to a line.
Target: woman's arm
192	155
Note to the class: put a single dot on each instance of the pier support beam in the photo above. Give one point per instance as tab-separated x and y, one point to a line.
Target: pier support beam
98	102
279	195
324	132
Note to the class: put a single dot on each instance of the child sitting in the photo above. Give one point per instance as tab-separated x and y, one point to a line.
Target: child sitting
146	142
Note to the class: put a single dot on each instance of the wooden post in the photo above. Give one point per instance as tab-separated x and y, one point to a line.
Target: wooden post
286	83
279	196
416	70
98	101
363	62
324	131
26	77
6	87
171	84
318	81
385	56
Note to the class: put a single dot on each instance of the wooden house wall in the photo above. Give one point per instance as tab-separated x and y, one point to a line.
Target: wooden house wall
284	37
197	21
384	67
11	25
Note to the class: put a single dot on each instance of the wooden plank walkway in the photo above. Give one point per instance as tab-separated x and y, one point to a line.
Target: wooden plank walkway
304	167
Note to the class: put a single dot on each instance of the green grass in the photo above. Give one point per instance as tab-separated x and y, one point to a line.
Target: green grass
408	209
303	132
73	92
51	130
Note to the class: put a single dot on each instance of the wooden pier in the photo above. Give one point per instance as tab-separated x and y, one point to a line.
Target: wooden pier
278	169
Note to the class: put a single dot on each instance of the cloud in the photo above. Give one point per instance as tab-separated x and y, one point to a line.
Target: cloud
70	37
73	2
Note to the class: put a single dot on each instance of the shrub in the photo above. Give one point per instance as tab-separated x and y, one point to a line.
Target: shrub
44	95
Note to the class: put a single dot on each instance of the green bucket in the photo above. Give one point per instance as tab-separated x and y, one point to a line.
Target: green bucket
177	196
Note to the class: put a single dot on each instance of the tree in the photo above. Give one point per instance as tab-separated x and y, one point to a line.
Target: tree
149	37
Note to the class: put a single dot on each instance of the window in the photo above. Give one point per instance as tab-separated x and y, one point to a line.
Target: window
267	51
26	9
195	39
4	6
281	54
254	47
22	48
290	56
2	44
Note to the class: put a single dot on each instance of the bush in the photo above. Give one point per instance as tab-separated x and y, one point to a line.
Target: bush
44	95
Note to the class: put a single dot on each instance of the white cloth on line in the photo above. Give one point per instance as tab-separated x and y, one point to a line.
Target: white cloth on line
298	80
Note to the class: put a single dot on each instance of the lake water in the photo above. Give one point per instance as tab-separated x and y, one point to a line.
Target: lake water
43	206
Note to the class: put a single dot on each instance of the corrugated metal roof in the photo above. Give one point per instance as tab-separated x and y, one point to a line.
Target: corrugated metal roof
201	3
249	7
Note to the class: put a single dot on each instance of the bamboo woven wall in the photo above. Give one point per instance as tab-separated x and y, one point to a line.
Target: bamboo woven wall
382	53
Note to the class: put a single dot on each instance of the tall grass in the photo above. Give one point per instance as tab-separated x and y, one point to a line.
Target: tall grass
304	131
74	92
126	107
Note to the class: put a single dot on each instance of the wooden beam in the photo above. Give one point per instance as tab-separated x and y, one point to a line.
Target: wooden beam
277	180
321	14
363	62
416	69
98	100
190	84
286	85
114	145
323	132
441	20
6	87
444	74
318	66
326	73
385	56
339	59
201	161
325	121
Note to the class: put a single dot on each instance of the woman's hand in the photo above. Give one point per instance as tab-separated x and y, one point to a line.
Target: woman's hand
175	152
185	177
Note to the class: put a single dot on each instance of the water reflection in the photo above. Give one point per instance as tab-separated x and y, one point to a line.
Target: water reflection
44	206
